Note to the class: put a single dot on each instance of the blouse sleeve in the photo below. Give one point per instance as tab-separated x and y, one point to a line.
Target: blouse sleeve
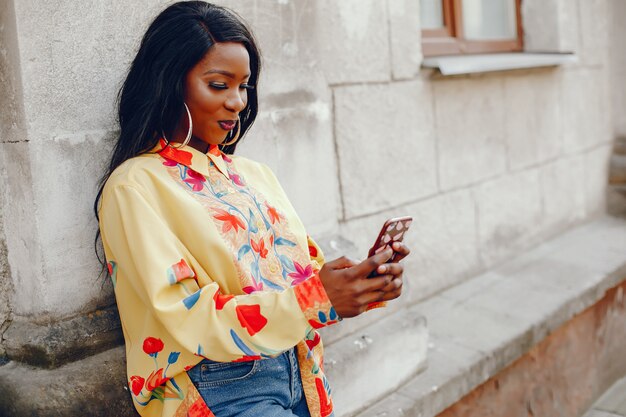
152	264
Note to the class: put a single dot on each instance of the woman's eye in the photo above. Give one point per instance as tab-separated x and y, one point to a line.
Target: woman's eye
219	86
247	86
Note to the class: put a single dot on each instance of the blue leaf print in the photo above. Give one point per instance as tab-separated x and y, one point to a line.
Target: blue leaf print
284	242
322	317
271	284
254	270
220	194
245	349
243	251
191	300
287	263
332	313
252	222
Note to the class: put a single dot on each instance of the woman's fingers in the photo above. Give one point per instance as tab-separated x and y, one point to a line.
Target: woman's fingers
366	267
395	269
401	250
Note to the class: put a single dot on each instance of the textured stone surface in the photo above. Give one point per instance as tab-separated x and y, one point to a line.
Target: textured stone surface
564	200
354	40
95	386
405	38
533	122
470	129
550	26
385	145
377	360
594	30
509	208
596	178
614	400
550	321
617	55
54	344
585	109
562	375
442	240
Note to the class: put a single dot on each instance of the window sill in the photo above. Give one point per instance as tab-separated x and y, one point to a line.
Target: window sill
471	64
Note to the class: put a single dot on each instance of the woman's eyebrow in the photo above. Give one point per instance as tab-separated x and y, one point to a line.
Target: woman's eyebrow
226	73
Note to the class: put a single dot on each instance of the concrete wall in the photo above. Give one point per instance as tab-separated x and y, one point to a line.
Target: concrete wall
618	66
488	165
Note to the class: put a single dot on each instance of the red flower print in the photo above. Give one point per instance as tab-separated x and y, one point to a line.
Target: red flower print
136	384
312	343
259	247
247	359
155	380
326	406
199	409
273	213
313	251
226	158
110	268
178	155
272	240
221	300
196	179
301	274
169	162
230	221
250	318
236	179
180	271
256	286
152	346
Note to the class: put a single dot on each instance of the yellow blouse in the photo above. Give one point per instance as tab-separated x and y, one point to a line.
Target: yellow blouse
209	260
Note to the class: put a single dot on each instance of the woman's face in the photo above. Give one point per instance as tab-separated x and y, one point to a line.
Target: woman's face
216	91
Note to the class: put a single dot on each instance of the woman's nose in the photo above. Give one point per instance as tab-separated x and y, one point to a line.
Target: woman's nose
236	101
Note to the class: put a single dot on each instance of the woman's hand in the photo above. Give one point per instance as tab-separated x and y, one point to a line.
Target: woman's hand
349	288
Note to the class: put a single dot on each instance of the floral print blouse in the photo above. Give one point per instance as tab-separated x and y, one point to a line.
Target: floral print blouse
209	260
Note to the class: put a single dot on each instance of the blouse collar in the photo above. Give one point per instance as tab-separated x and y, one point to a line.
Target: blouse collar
193	158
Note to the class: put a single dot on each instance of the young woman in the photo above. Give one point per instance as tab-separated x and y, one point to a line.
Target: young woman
219	288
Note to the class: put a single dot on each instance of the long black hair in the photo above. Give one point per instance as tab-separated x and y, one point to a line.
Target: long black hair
151	99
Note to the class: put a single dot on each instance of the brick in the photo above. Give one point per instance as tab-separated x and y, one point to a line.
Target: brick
470	129
585	109
405	33
353	38
385	145
509	210
533	122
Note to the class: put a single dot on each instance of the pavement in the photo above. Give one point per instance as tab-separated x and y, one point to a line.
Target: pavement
612	403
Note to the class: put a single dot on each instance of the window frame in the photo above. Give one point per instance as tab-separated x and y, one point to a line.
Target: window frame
450	40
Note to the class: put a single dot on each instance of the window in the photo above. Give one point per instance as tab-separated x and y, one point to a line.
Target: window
452	27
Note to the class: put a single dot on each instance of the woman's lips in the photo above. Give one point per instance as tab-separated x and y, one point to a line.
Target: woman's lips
227	124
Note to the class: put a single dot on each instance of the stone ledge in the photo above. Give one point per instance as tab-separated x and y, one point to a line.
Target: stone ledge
483	325
52	345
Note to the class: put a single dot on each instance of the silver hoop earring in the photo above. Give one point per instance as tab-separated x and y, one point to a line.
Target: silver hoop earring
236	136
188	137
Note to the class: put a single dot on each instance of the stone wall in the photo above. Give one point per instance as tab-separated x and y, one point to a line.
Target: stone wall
489	165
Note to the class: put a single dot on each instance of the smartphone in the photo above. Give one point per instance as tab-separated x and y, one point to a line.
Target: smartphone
393	230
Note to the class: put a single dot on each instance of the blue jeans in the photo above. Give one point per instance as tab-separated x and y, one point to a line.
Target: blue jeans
266	387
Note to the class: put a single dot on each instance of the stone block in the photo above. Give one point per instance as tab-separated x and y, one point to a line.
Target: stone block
596	167
73	57
541	25
294	137
509	212
470	129
385	144
405	33
375	361
442	240
564	200
95	386
50	345
353	40
614	400
533	122
594	29
585	109
618	102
